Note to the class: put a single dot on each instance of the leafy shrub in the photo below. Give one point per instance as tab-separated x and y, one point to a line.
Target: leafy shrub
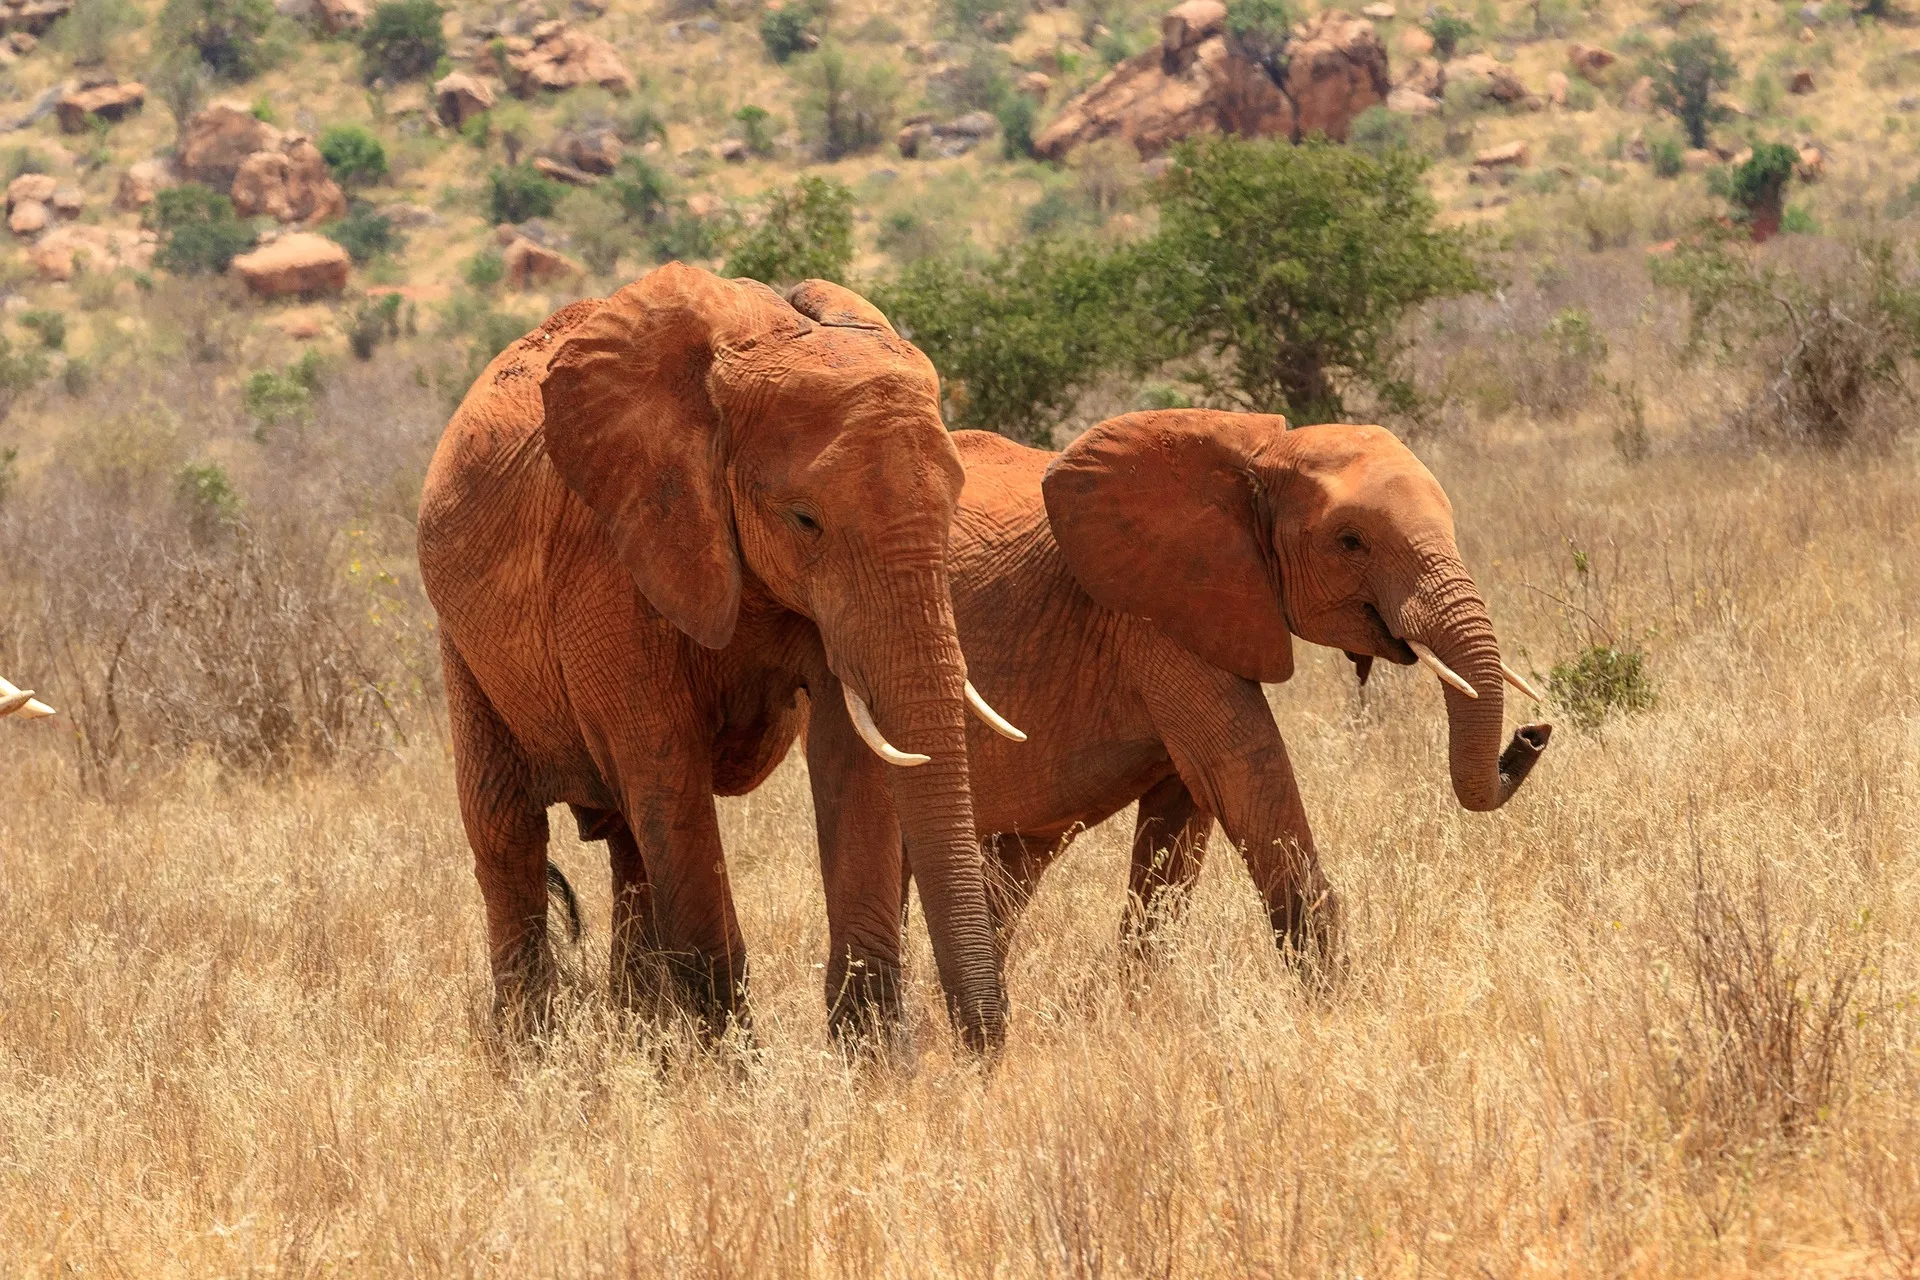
1686	75
980	81
1667	155
274	398
756	129
805	233
1017	114
227	36
179	80
1296	264
790	29
909	237
89	31
484	269
1018	337
206	496
1758	185
353	155
49	324
365	233
1600	681
199	232
1378	130
518	192
1262	29
995	18
9	472
370	322
599	228
846	106
19	370
402	40
1447	30
642	190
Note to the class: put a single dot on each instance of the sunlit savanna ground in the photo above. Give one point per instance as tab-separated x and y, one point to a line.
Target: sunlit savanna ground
245	1032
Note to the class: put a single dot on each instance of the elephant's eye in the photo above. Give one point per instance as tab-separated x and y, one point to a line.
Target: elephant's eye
804	522
1351	542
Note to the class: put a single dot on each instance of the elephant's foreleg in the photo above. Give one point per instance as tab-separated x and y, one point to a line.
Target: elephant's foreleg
633	959
696	935
507	830
1170	834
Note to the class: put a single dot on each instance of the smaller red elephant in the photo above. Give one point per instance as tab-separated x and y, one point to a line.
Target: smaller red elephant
1125	600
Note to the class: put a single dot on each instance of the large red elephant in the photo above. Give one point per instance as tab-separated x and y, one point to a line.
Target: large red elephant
654	522
1125	600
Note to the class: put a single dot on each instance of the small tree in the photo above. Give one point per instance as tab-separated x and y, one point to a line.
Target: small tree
1686	75
756	129
1758	187
199	232
402	40
179	80
365	233
806	233
354	155
1297	264
226	35
1447	31
790	29
520	192
846	106
1262	29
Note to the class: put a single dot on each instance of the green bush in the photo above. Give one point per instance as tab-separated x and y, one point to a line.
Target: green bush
599	228
353	155
846	106
89	31
998	19
980	81
1601	681
402	40
227	36
518	192
1668	157
756	129
484	270
806	233
642	190
207	498
1447	31
791	29
273	397
370	322
1019	336
1686	75
365	233
50	325
1294	265
1262	30
19	370
1017	114
1377	130
1757	186
199	232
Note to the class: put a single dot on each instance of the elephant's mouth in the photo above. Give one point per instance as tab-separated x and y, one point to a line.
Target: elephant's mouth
1385	644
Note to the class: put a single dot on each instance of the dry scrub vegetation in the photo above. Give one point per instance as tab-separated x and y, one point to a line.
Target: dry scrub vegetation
1657	1015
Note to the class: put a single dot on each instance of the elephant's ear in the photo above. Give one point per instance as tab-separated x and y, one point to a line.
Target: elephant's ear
1159	515
836	305
632	426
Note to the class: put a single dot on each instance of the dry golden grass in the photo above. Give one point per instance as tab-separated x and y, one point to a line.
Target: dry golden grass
244	1032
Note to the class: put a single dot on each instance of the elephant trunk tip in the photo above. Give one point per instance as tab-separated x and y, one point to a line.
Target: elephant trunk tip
1523	751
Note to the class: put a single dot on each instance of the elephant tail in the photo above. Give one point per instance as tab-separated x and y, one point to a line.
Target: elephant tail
560	889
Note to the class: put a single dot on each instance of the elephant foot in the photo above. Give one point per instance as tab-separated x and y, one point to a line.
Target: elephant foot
712	990
1307	931
523	992
864	1007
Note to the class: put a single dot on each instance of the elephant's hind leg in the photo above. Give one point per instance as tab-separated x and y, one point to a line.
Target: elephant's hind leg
507	829
1013	873
1170	833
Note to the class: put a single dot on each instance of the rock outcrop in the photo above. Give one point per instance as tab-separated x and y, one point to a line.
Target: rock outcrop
28	199
219	139
289	183
561	58
527	264
32	16
1199	82
294	265
141	182
459	97
1591	63
67	250
337	16
78	108
595	151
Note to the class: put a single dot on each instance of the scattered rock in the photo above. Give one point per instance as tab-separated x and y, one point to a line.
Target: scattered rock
1696	159
72	248
1424	76
31	186
1591	63
409	216
1485	76
1811	16
304	327
32	16
1380	12
337	16
67	203
1639	95
1414	42
298	263
704	204
1036	85
596	151
290	183
1812	164
78	108
1506	155
1637	150
1802	82
26	217
562	172
460	97
1410	102
562	58
1557	86
140	183
1806	35
527	264
218	141
22	42
1336	69
733	151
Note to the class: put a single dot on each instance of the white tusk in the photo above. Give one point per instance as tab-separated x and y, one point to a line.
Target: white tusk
1446	673
995	721
31	709
1519	682
870	733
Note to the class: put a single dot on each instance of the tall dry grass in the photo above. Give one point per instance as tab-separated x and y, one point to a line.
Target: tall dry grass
1657	1015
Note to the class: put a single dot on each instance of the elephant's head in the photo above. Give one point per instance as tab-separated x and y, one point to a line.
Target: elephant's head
1235	534
731	438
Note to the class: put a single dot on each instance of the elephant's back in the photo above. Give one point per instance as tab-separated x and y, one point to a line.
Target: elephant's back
1002	492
